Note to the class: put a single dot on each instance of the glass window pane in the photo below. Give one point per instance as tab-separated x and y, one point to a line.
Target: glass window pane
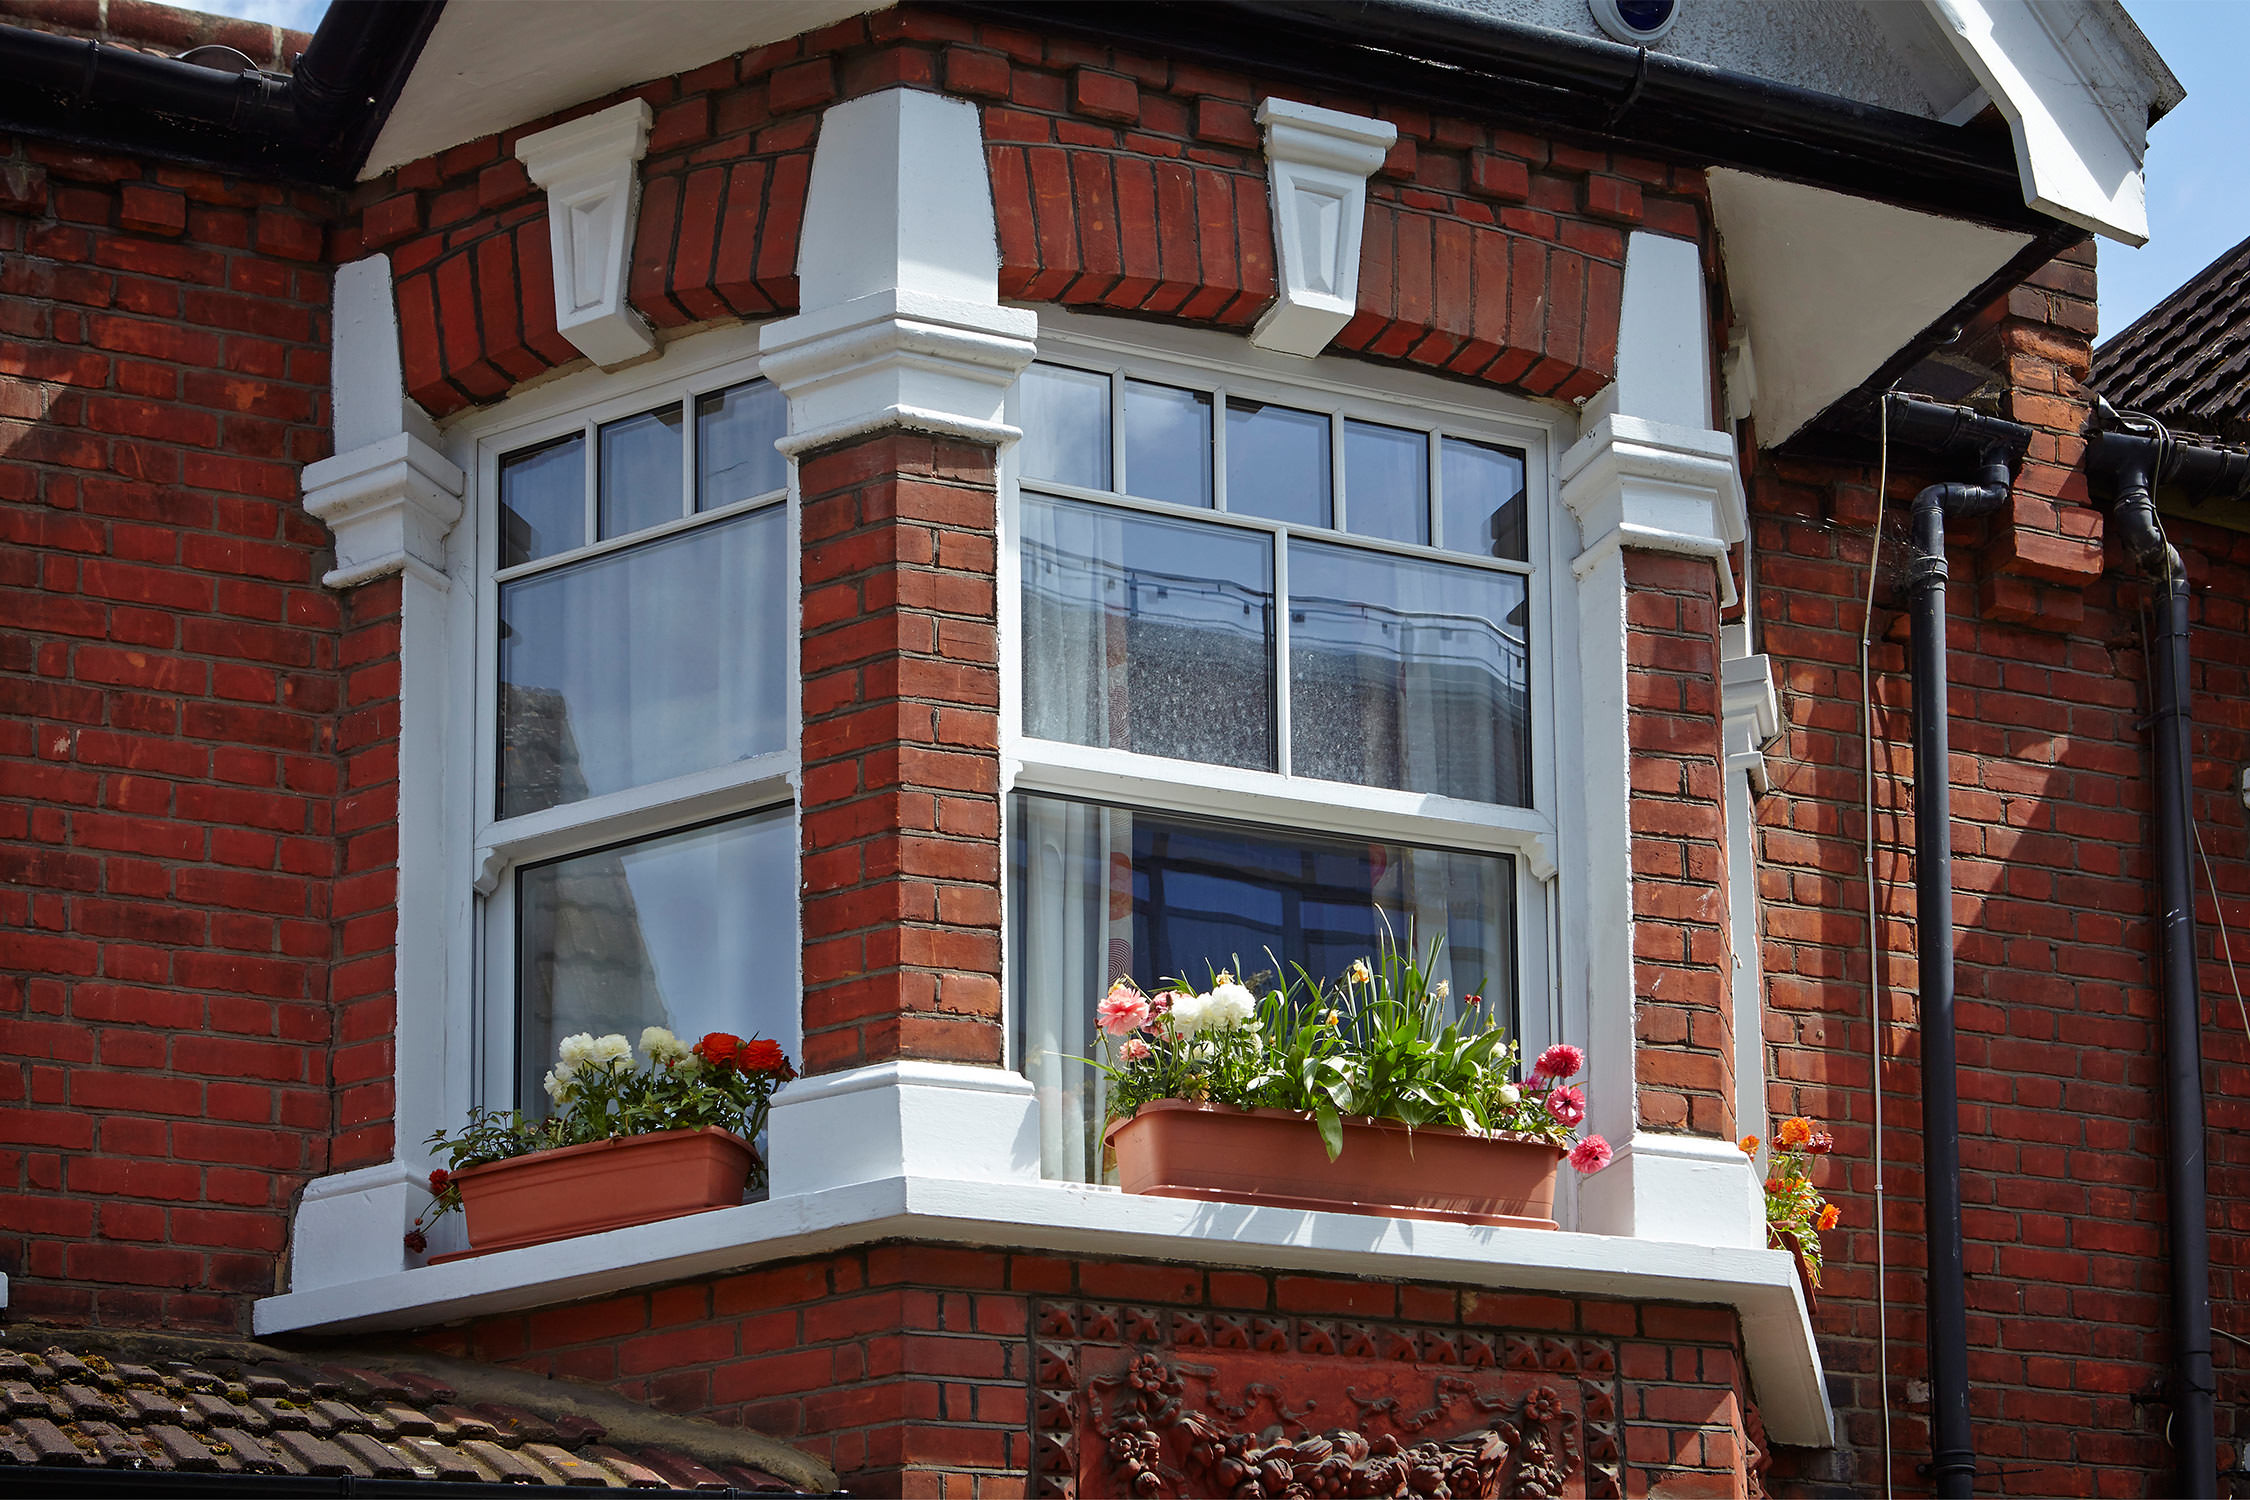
1408	674
1065	426
543	500
644	664
1277	463
735	433
1100	891
1484	503
640	472
1147	634
1167	443
680	931
1386	482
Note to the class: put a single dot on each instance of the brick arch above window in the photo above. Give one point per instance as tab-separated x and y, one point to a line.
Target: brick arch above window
1121	183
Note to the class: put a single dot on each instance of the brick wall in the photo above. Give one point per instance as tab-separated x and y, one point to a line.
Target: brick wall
901	802
168	779
2061	1054
1682	973
1122	182
924	1370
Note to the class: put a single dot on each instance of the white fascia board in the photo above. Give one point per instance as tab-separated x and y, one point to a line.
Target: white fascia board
1075	1219
2075	100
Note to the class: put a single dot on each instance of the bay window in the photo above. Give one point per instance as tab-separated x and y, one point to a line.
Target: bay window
1278	694
636	723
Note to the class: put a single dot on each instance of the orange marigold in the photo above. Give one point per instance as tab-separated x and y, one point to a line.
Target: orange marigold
1795	1133
1829	1216
1749	1145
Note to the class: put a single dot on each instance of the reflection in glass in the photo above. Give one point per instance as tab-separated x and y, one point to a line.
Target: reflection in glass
686	931
1065	426
1167	443
1277	463
1408	674
1098	891
643	664
640	472
735	433
1147	634
1484	504
543	500
1386	482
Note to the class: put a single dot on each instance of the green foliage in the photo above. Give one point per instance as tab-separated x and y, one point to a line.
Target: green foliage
1795	1208
1382	1042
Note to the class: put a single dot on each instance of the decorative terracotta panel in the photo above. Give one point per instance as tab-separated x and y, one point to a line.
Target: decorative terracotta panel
1154	1402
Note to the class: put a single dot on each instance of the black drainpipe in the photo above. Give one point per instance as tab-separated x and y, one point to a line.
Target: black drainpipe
2134	456
1994	446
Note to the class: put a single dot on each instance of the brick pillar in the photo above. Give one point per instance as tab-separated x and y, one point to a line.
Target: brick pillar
901	803
364	985
1683	1020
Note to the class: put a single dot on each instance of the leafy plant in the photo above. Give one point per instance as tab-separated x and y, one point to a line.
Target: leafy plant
1794	1207
1381	1043
601	1094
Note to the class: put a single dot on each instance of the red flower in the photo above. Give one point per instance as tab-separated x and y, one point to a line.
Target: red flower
1821	1143
440	1180
762	1056
415	1242
719	1049
1567	1105
1591	1154
1558	1062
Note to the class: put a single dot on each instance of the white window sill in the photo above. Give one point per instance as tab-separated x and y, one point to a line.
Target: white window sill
1761	1285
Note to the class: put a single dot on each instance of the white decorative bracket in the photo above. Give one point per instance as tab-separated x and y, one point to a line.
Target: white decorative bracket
390	504
1750	712
388	495
898	274
1651	485
588	168
1317	164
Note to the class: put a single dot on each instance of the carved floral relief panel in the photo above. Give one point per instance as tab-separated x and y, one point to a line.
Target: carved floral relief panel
1146	1401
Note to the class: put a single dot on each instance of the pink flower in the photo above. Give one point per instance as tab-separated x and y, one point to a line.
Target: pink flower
1558	1062
1135	1050
1591	1154
1124	1010
1567	1105
1161	1005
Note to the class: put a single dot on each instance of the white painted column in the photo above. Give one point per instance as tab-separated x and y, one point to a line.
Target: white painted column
391	500
900	328
1649	472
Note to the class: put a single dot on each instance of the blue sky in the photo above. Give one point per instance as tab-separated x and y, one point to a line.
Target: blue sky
2197	204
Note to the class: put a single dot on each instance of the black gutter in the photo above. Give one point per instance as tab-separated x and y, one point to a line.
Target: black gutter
2134	456
314	127
1645	102
1995	446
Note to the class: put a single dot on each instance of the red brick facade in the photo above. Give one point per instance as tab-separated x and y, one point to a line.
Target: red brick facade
199	798
901	820
926	1371
169	775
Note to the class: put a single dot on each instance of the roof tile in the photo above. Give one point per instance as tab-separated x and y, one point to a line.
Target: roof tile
224	1406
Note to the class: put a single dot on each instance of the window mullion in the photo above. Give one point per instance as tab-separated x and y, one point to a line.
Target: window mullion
1219	449
593	467
1337	518
1281	650
1434	497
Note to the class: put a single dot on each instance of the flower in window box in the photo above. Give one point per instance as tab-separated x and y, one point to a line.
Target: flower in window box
673	1132
1380	1055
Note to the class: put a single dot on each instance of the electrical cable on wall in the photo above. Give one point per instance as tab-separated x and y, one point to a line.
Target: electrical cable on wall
1875	929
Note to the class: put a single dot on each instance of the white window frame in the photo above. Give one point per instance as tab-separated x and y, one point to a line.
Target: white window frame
489	851
1549	1009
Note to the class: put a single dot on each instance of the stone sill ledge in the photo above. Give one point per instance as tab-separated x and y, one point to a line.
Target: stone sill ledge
1761	1285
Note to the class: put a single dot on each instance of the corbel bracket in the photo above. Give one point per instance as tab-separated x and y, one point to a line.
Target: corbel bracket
1317	164
589	168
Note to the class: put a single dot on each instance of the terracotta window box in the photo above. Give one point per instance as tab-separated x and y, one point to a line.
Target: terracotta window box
554	1195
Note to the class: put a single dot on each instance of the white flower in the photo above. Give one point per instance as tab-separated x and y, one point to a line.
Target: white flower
1510	1095
661	1046
1441	990
1361	974
613	1049
1231	1005
577	1050
1194	1013
559	1081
